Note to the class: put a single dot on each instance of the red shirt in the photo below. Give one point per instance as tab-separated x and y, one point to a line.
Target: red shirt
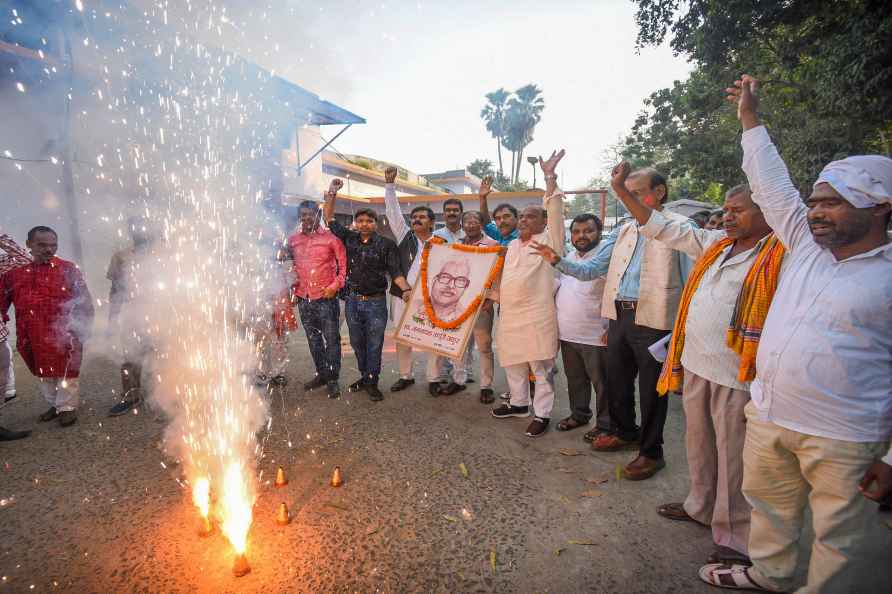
320	262
53	314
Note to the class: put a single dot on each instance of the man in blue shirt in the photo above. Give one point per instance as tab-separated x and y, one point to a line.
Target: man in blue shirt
504	229
643	283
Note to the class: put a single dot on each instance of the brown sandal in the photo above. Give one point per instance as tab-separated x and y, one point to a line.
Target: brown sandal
675	511
569	424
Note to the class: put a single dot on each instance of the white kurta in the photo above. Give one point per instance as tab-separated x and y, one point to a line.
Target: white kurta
527	328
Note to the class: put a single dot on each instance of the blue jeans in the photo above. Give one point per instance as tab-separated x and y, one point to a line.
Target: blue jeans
321	320
366	321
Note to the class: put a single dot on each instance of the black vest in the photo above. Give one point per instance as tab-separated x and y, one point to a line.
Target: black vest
408	249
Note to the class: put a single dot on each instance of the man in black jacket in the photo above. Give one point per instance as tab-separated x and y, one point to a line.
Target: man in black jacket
371	258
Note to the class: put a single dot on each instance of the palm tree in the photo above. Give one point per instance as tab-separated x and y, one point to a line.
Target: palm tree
493	113
524	112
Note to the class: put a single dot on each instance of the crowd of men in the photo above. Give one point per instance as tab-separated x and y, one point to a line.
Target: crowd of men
776	317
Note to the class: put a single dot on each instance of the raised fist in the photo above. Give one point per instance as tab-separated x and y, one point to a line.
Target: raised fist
390	174
619	175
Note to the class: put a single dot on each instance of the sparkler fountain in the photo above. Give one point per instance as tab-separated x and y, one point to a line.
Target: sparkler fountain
189	129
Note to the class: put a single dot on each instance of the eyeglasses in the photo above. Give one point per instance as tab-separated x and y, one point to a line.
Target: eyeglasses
460	282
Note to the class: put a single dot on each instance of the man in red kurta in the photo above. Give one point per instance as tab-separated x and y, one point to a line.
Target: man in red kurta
54	315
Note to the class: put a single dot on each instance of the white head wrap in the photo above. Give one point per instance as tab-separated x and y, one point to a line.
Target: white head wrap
864	181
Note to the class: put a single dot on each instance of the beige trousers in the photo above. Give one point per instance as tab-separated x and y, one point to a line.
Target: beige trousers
404	358
715	429
784	471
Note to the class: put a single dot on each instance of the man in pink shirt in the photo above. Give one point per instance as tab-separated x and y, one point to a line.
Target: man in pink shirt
320	265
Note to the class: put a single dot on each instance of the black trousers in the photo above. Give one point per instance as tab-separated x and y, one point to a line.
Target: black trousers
627	356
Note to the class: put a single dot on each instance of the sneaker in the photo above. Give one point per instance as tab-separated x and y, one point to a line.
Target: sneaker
357	386
67	418
333	389
261	379
316	382
505	396
279	380
402	384
486	396
451	388
375	394
49	415
433	388
537	427
123	407
506	410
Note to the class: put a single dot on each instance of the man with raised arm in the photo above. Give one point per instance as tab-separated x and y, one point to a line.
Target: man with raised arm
527	333
642	290
371	258
820	420
723	294
320	269
504	228
410	243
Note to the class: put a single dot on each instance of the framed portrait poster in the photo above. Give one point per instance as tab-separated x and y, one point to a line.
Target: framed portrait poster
453	283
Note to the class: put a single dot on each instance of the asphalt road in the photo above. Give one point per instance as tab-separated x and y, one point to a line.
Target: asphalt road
93	509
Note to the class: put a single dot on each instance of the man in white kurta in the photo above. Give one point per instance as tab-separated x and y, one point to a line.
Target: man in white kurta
527	333
820	422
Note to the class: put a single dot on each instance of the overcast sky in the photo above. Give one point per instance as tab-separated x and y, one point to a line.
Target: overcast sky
418	71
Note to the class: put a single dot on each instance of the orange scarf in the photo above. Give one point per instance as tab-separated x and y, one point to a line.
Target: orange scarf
752	306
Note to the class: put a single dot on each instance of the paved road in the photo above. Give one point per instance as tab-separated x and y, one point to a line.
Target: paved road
91	509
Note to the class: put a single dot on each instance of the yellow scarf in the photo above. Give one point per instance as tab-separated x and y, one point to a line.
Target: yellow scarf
752	306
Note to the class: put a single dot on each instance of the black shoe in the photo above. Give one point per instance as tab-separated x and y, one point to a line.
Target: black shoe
470	380
8	435
451	388
357	386
375	394
67	418
433	388
537	427
506	410
279	380
333	389
316	382
486	396
402	384
49	415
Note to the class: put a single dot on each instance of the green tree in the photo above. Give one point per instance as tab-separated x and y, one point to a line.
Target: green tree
523	114
825	68
493	113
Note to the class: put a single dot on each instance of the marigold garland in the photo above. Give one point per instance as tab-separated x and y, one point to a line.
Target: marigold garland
472	307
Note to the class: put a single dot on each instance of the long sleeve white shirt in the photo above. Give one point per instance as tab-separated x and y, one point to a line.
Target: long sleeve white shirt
706	352
824	365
